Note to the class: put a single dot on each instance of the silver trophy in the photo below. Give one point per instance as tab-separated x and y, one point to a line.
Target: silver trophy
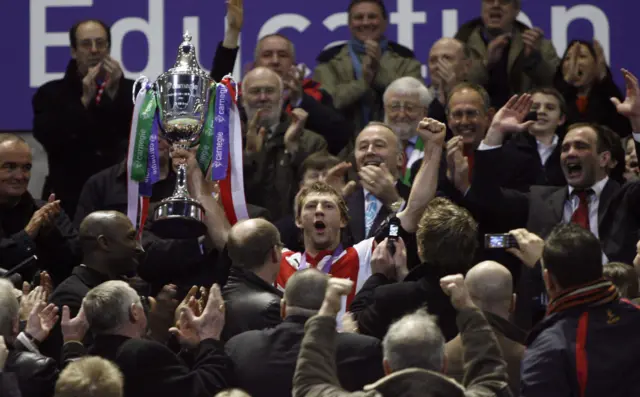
182	94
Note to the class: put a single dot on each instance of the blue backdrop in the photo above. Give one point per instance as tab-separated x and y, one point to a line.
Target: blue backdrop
146	33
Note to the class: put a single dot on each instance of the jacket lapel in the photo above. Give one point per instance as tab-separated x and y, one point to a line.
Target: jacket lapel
556	202
610	188
356	212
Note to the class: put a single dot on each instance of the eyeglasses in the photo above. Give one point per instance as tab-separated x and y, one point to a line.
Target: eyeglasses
408	107
460	114
88	44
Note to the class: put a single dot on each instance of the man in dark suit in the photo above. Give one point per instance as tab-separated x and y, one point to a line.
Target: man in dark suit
265	360
591	199
110	250
379	159
253	302
446	245
490	286
117	319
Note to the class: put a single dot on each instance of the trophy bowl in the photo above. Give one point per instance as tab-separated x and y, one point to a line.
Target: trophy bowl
182	94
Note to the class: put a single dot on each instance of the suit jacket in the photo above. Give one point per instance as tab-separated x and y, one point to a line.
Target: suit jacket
36	375
541	209
265	360
251	303
355	203
151	369
380	302
511	340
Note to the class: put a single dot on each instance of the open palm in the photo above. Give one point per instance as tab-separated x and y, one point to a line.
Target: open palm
510	117
630	108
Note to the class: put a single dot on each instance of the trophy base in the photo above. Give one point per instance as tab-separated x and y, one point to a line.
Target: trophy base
179	218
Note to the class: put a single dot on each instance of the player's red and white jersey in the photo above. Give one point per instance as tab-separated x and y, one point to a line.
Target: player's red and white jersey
354	263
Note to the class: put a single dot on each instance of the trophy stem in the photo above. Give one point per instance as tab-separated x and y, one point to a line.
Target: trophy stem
181	190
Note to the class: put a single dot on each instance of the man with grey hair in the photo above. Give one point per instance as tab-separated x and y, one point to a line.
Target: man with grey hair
118	320
276	144
490	286
406	101
265	360
36	374
408	374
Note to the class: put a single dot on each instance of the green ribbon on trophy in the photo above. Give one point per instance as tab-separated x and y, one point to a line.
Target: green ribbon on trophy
143	134
205	150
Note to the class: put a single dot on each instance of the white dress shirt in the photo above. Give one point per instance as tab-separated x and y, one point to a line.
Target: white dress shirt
544	151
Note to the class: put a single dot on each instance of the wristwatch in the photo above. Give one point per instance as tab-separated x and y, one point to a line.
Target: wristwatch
396	205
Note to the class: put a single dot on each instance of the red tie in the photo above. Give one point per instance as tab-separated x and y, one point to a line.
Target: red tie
581	214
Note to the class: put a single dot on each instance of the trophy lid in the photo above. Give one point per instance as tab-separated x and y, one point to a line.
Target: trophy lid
187	60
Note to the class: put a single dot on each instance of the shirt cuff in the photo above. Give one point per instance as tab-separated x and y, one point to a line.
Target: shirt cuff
24	340
636	136
484	146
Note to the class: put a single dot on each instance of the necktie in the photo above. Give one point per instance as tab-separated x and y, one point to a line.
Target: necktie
581	214
370	213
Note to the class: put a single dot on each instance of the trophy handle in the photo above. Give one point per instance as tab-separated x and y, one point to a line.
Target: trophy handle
144	81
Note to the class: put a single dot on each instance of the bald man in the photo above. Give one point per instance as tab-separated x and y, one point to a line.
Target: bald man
110	250
28	226
252	301
276	143
265	360
490	286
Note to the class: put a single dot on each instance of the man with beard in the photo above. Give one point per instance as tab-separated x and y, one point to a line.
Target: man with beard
31	227
322	214
508	57
379	160
591	199
87	113
276	143
110	250
356	74
406	101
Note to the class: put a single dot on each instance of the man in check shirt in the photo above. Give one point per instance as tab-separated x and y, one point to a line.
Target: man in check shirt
321	213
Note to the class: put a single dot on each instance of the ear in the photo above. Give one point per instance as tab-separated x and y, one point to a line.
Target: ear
283	308
134	313
298	222
605	158
563	119
386	367
512	306
275	258
548	282
74	52
103	242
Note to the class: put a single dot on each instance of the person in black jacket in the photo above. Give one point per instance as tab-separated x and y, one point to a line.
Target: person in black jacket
265	360
447	242
31	228
34	373
117	319
110	251
87	113
585	81
253	302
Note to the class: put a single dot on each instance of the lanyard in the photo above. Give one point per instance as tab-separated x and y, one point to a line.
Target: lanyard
101	88
327	266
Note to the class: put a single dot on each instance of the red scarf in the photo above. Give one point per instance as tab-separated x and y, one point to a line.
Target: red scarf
594	293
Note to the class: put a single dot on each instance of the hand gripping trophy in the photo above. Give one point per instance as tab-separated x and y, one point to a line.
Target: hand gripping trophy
188	109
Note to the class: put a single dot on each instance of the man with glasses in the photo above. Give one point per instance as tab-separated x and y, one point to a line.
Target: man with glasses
86	113
508	56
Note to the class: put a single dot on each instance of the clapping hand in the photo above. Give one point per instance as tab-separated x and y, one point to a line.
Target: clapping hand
41	320
294	132
73	329
532	39
457	164
44	217
630	108
193	329
510	119
335	177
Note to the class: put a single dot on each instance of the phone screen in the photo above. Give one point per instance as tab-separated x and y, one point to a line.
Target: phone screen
393	230
497	241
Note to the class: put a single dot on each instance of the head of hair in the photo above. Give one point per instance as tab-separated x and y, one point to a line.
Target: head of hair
262	70
604	142
562	103
318	161
379	3
9	308
90	376
613	142
250	242
74	29
108	305
321	188
399	144
624	277
572	255
305	289
447	236
292	47
484	95
409	86
414	341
